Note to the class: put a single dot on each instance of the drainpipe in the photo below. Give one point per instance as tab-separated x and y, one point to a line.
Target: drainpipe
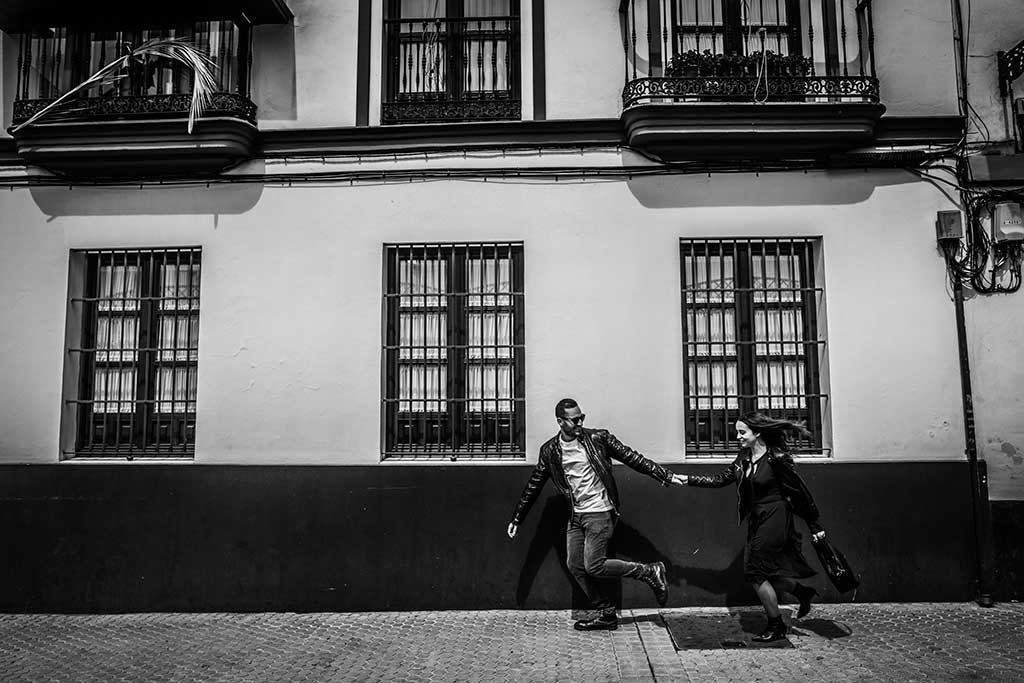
978	473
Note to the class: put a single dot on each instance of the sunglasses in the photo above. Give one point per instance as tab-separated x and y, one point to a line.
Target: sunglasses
575	420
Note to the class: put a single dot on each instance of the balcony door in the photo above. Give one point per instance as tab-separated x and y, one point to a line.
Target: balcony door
451	60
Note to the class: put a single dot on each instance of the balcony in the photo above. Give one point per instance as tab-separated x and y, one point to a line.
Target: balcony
451	67
134	123
748	79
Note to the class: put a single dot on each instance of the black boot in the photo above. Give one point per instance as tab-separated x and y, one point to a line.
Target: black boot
606	622
804	594
654	576
776	630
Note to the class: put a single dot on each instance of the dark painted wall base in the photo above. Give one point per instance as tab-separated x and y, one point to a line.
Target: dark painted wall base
208	538
1008	539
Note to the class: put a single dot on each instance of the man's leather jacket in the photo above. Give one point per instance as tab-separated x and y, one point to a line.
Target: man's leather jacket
791	486
601	447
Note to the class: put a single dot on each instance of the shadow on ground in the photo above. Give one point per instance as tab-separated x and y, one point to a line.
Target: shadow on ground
735	629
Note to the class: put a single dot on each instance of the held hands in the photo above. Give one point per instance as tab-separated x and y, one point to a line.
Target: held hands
679	480
818	536
513	529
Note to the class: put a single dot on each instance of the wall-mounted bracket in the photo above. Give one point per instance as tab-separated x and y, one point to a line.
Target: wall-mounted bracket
1011	65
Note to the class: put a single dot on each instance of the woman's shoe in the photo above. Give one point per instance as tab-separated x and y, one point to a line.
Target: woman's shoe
776	631
804	594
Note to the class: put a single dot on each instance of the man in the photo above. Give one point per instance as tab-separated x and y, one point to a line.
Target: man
579	462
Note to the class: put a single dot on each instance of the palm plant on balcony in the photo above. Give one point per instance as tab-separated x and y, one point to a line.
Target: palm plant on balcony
174	50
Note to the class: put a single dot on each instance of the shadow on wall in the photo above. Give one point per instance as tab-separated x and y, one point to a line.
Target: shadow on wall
627	543
273	76
749	189
130	200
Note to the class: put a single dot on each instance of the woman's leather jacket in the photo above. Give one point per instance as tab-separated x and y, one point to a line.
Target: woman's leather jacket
791	486
601	447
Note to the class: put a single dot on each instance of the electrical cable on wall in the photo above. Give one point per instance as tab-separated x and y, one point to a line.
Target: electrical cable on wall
762	69
978	262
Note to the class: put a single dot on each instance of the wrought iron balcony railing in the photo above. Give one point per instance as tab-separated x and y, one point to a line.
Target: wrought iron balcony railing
452	69
748	51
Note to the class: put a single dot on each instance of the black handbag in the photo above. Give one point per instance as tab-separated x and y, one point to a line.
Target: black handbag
835	565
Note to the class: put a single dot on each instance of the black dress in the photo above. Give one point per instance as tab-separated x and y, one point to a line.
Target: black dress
769	492
773	543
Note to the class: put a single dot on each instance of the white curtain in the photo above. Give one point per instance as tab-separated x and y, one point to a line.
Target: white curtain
780	384
776	327
176	390
114	390
713	385
778	276
118	288
489	388
179	337
179	286
117	338
423	388
713	330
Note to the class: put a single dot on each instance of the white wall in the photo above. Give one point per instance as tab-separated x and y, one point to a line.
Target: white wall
290	328
915	57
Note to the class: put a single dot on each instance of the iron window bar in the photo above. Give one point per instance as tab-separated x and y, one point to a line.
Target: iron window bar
751	337
138	353
453	351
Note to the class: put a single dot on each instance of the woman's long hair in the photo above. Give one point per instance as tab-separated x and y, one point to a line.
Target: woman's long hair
775	432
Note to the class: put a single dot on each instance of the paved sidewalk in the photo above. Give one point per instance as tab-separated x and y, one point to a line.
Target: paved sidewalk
872	642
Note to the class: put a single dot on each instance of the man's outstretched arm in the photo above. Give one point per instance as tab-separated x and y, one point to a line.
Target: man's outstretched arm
638	462
534	484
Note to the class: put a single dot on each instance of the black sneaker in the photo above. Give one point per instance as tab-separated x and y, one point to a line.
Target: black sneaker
605	622
654	576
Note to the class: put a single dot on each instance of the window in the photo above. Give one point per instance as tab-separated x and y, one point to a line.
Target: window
451	60
57	60
453	351
138	317
752	328
734	26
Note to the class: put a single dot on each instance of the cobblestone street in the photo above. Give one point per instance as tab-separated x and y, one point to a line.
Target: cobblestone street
870	642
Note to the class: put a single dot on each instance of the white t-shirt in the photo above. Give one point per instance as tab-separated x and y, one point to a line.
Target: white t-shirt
588	493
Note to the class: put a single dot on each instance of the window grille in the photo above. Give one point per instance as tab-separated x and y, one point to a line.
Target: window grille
451	60
453	351
751	336
139	352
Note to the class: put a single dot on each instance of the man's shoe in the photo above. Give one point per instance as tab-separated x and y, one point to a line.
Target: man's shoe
776	631
605	622
654	576
804	594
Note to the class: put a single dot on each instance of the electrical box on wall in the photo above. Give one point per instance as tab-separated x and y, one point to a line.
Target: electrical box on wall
1007	225
948	226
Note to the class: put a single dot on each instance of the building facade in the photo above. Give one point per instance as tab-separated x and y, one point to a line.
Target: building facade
303	356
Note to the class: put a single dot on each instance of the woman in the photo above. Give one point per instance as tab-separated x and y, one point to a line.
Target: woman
769	492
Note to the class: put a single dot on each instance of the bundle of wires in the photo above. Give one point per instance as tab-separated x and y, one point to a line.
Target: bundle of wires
978	262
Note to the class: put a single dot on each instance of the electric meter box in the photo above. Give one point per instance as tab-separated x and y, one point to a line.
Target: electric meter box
1007	225
948	226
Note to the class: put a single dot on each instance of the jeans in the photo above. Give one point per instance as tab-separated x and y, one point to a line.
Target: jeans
586	539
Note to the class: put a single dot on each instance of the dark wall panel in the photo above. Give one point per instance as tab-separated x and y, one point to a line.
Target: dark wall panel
1008	539
208	538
